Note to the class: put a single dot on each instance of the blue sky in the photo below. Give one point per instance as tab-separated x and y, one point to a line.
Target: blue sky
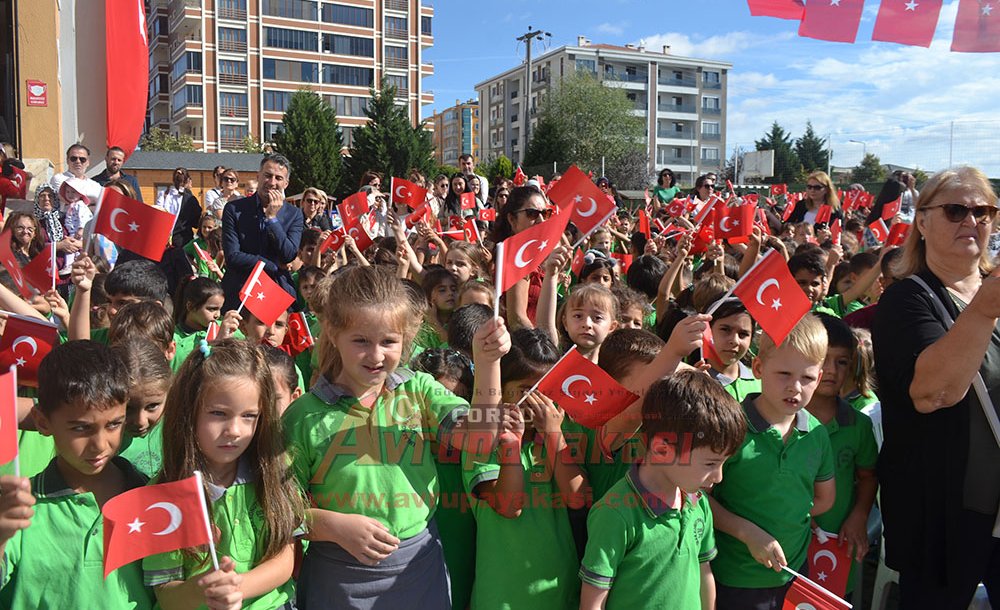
899	100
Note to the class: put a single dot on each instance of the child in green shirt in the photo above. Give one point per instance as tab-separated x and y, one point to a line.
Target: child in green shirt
142	440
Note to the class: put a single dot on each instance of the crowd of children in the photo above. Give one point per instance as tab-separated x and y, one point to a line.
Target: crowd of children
407	460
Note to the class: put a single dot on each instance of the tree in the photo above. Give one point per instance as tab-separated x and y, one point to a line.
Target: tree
251	145
786	163
869	170
157	139
310	138
920	176
812	150
734	164
631	171
500	167
389	143
582	121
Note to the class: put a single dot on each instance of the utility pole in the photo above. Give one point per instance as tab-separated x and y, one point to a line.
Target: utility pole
527	38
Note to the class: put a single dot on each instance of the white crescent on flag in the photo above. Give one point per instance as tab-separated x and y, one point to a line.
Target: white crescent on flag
27	340
828	554
763	287
590	211
113	219
176	518
724	225
519	255
399	195
569	381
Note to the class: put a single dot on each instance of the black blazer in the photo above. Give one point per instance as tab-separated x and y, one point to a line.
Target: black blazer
799	213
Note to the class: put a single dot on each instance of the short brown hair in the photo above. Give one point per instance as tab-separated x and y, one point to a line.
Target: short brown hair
692	404
808	338
143	320
626	347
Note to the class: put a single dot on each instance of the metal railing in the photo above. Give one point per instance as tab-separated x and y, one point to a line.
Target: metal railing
710	85
626	77
705	110
234	111
397	5
396	33
232	46
230	143
397	62
232	79
711	137
676	108
671	159
673	134
236	14
677	82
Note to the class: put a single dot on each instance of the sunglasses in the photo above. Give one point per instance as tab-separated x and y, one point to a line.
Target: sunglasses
956	212
534	214
313	201
815	187
78	159
229	179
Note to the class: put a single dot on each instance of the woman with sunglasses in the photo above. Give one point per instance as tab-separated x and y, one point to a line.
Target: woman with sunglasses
314	210
819	191
525	207
666	188
939	467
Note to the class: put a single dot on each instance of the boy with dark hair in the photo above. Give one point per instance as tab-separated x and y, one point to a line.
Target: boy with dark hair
463	324
644	275
810	272
651	535
779	479
51	527
144	320
129	282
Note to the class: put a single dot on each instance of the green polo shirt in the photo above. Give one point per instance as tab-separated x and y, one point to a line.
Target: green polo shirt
201	267
99	335
529	561
834	305
242	535
428	338
58	561
853	442
34	452
378	462
769	482
144	452
648	554
603	466
859	401
741	387
185	342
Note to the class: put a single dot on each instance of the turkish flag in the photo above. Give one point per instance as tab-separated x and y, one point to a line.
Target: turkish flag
404	191
708	346
298	338
865	200
836	20
455	223
264	297
735	223
777	310
703	238
360	232
643	225
823	214
487	214
592	207
468	201
705	213
849	201
522	253
779	189
154	519
787	213
25	342
8	417
835	231
833	576
897	234
471	231
579	261
804	594
782	9
212	333
519	176
762	222
41	271
879	230
353	207
624	260
127	57
423	212
889	210
133	225
334	240
976	28
907	21
12	266
677	207
587	394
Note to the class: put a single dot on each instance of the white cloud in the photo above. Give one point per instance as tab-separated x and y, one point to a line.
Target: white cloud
612	29
722	46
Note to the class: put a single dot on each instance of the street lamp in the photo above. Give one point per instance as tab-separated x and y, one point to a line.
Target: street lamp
864	146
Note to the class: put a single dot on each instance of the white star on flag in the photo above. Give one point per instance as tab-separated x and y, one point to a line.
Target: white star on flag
578	198
21	362
776	304
135	526
133	227
987	9
821	576
911	5
590	399
260	296
543	245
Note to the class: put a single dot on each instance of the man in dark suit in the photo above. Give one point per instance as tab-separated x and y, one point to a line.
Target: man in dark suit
261	227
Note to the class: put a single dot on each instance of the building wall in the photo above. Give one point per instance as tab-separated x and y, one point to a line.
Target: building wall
456	132
41	127
152	181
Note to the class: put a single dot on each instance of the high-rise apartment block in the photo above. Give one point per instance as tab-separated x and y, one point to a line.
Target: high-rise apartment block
456	132
681	99
221	70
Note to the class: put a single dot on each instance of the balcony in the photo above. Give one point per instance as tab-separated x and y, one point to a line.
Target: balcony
397	62
232	79
185	17
230	143
396	34
711	137
672	81
232	46
716	111
673	134
711	85
674	160
684	108
234	112
177	41
625	77
397	5
233	14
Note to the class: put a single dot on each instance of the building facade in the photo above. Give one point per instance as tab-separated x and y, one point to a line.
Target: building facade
222	70
456	132
681	99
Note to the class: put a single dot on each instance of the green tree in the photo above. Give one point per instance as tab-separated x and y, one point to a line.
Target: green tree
389	143
920	176
812	150
310	137
786	163
869	170
251	145
161	140
499	167
587	121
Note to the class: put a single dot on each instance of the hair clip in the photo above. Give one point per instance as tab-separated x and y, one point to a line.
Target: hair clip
204	348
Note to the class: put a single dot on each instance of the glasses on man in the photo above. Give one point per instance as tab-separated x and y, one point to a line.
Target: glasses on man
956	212
76	159
534	214
815	187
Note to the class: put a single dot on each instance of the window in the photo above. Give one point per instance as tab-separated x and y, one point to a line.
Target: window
231	5
188	63
710	128
348	75
348	105
587	65
232	35
710	77
160	26
232	104
232	67
401	83
348	45
348	15
277	100
678	127
399	54
677	152
189	95
710	103
678	75
159	84
298	71
230	136
348	135
396	25
425	26
710	154
293	9
298	40
271	128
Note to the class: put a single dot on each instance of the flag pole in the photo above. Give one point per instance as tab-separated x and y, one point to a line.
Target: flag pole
204	514
257	270
716	305
542	378
820	587
595	227
498	288
55	270
17	448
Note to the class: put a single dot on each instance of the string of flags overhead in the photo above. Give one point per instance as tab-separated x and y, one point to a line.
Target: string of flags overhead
909	22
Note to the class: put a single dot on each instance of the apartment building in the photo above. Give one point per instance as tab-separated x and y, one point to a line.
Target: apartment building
456	132
682	99
221	70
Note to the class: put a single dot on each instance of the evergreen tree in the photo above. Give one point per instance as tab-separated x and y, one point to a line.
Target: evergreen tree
157	139
812	151
310	138
869	170
388	143
786	163
548	144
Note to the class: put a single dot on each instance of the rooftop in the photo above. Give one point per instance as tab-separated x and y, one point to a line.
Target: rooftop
242	162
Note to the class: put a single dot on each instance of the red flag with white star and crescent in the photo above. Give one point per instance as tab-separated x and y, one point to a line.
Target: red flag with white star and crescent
772	296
